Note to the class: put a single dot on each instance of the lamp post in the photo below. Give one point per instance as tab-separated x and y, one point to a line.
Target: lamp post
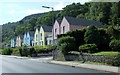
53	26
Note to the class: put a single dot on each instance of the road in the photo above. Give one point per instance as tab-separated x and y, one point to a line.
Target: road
15	65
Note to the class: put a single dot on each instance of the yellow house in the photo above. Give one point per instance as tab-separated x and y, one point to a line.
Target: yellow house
37	37
44	32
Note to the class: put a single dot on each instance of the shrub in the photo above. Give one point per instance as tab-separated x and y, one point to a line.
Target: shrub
7	51
24	51
20	50
90	48
66	44
115	45
31	51
15	51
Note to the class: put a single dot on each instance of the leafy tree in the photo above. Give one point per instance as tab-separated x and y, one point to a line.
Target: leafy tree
92	35
70	10
115	33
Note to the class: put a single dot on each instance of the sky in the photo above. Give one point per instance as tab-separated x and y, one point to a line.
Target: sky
15	10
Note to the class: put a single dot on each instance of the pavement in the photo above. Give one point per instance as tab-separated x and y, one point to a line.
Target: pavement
73	64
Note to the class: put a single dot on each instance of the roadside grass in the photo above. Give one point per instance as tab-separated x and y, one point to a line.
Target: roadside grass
90	62
99	53
106	53
60	59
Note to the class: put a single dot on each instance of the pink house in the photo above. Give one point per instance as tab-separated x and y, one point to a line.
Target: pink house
72	23
57	29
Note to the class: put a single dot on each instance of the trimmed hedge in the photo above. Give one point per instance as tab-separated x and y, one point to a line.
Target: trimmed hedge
90	48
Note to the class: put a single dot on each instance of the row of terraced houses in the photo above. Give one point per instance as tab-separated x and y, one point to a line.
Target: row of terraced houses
44	35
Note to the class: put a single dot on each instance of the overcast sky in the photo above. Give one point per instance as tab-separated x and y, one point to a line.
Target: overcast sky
15	10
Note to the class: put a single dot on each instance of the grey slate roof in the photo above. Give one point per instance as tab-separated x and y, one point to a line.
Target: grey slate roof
47	28
31	33
21	36
84	22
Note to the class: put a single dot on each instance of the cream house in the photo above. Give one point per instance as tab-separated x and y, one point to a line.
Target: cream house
36	37
19	41
43	33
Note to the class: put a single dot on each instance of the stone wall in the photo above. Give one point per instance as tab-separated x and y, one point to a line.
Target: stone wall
91	58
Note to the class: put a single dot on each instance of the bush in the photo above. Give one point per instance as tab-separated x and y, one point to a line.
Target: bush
7	51
24	51
90	48
15	51
115	45
31	51
66	44
20	50
114	61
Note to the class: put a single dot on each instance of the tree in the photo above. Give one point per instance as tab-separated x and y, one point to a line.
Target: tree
70	10
114	32
92	36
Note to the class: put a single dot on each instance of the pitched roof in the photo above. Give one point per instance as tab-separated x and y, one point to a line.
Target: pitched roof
47	28
38	28
31	33
21	36
59	21
84	22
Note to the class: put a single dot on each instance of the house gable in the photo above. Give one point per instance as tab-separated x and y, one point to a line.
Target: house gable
65	24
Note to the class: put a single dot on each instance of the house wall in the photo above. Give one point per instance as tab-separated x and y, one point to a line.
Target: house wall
56	26
25	39
49	39
41	32
45	37
28	39
66	24
17	41
11	43
36	42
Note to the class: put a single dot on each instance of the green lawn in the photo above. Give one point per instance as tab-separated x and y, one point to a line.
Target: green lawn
99	53
106	53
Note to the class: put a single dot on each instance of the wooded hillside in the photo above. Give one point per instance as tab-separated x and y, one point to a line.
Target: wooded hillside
105	12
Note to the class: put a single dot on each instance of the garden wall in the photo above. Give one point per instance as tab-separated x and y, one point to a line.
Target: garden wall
91	58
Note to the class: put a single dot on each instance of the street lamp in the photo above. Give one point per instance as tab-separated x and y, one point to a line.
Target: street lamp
52	24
